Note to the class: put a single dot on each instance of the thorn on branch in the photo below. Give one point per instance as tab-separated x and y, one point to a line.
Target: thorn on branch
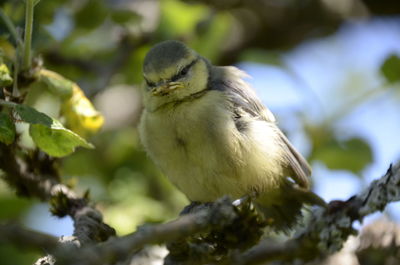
389	173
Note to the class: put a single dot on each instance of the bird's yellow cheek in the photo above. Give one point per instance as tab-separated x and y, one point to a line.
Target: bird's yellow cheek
165	89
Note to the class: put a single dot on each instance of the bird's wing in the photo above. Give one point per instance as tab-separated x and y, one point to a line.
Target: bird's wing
230	80
242	96
300	167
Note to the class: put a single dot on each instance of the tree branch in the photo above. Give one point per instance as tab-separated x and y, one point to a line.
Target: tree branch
36	177
325	233
24	238
330	227
220	214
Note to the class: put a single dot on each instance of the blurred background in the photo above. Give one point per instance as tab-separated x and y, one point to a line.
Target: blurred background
328	70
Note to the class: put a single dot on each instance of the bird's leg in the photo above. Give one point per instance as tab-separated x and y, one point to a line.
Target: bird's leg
246	198
240	201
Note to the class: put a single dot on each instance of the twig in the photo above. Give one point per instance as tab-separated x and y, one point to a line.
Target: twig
11	28
29	6
25	183
220	214
88	222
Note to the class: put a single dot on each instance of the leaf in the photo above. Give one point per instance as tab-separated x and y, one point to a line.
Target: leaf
56	142
13	207
135	58
353	154
7	129
5	77
123	16
91	15
391	69
32	116
8	50
49	134
212	32
175	25
262	56
80	114
56	83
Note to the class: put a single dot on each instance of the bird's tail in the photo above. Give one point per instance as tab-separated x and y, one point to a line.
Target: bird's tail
285	211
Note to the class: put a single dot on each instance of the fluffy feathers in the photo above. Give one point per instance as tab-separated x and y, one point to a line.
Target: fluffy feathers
213	136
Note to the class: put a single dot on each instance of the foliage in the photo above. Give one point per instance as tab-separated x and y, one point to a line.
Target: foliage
391	68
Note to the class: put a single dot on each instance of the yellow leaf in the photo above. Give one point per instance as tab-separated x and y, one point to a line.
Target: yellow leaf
5	77
7	48
80	114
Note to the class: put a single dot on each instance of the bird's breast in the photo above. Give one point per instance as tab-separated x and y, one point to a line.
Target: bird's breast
198	147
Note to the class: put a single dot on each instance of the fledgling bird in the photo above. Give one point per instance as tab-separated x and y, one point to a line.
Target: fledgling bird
208	132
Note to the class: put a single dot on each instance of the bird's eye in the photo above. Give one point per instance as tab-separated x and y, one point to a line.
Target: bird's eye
181	74
184	71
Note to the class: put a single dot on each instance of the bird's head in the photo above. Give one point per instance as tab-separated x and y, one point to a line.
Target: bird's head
172	73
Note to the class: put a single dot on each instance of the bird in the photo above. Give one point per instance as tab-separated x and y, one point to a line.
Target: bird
208	132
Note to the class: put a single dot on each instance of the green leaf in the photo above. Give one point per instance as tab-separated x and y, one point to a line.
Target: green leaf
212	31
56	83
180	18
7	129
123	16
262	56
56	142
391	69
5	77
91	15
13	207
32	116
49	134
353	154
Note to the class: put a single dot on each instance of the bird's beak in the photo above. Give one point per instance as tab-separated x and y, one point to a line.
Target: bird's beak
166	88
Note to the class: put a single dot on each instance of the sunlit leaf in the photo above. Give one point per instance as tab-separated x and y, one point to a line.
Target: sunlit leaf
56	142
49	134
135	58
391	69
212	33
80	114
56	83
180	18
7	129
5	77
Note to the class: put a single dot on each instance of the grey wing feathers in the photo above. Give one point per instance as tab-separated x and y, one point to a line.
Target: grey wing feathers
230	80
242	96
300	167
